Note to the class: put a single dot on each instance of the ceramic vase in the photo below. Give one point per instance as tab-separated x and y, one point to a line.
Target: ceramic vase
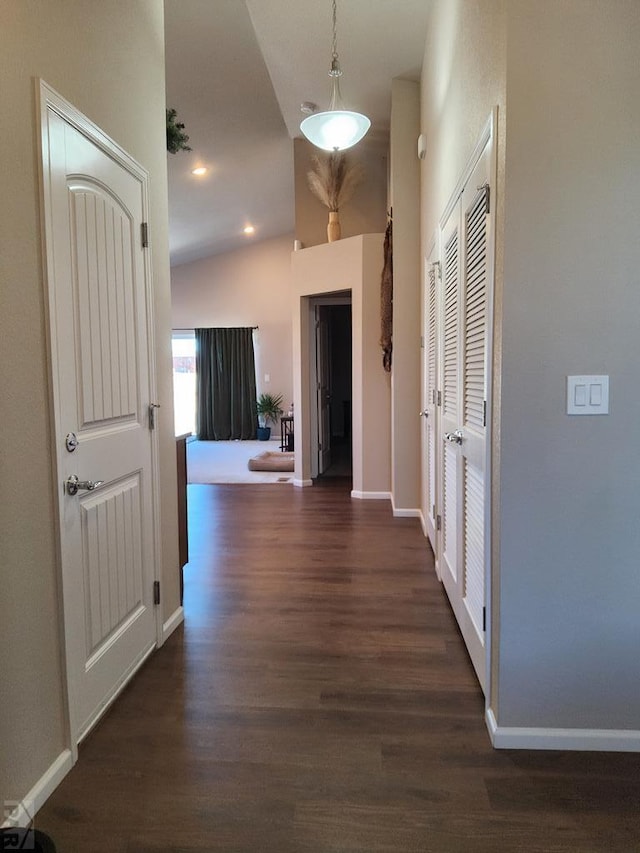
333	227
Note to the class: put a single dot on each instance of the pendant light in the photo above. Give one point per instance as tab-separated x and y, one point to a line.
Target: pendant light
337	128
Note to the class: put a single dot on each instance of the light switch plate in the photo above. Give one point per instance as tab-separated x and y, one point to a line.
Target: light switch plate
587	395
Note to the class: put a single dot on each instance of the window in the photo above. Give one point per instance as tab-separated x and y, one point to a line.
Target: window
183	344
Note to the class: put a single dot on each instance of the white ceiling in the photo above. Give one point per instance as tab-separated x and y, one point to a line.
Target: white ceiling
237	72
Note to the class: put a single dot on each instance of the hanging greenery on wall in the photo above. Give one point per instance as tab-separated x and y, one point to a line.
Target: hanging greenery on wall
176	137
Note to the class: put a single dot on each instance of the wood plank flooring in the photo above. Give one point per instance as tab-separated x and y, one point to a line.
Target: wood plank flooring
318	699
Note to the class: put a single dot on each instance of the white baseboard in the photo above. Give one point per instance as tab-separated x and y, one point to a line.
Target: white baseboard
176	618
370	496
587	740
406	513
27	806
423	524
302	483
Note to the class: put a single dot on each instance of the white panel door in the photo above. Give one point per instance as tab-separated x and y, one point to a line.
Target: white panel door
463	434
101	381
323	386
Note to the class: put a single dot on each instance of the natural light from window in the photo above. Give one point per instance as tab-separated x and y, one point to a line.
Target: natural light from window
183	344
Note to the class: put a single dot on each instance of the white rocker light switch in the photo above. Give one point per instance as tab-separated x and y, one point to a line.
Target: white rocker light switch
587	395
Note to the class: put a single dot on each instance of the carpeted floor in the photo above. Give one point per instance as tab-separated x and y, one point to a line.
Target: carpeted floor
226	462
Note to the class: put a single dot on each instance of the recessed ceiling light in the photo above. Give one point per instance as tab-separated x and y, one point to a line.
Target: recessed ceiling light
200	170
249	229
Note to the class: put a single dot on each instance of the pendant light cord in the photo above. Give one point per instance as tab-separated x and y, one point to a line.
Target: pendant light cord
334	44
335	70
336	128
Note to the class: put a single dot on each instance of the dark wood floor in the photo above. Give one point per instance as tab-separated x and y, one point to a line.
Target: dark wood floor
319	699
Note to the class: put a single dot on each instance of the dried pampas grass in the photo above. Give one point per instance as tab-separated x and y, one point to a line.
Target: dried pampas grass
333	179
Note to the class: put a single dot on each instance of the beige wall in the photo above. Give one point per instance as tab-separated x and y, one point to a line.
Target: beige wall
407	326
347	265
248	287
566	489
570	539
107	59
366	213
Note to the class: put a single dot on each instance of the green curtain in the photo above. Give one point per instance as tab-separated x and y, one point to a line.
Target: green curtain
226	384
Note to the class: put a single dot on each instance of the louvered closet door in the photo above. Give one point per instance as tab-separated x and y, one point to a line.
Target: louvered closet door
450	407
462	430
473	394
429	408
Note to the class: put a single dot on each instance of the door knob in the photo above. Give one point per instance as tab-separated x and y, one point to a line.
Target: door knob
73	485
424	413
454	437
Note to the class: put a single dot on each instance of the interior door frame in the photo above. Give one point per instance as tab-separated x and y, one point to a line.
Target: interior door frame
340	298
486	138
48	100
431	259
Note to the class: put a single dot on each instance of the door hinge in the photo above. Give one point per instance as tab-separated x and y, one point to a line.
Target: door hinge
487	196
439	398
484	618
144	234
438	267
152	414
433	511
438	522
421	341
484	413
156	592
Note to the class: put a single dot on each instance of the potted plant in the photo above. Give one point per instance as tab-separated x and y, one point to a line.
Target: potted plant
176	137
269	407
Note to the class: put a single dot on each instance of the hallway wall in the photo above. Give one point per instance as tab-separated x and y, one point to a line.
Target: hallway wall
107	58
566	489
248	287
570	486
365	213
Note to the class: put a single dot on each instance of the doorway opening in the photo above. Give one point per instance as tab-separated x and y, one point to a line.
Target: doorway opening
331	387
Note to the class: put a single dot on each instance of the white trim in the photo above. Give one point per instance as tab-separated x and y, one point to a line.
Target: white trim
176	619
423	524
492	125
32	802
433	245
302	483
590	740
370	496
485	135
406	512
48	98
486	142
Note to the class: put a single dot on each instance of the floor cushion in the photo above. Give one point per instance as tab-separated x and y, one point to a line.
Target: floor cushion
271	460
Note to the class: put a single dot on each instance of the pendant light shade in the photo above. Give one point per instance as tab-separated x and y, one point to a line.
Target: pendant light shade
336	129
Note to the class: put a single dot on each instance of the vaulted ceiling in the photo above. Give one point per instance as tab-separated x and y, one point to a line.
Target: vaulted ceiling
237	73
